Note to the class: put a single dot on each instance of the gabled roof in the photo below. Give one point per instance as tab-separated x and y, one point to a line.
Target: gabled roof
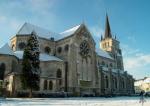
70	31
43	57
6	50
28	28
103	53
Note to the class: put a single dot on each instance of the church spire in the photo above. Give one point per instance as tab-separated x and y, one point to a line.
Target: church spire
107	29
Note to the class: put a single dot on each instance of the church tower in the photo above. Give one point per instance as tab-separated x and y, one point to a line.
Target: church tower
110	44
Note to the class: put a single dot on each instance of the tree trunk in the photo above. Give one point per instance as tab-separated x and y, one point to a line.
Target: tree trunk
30	93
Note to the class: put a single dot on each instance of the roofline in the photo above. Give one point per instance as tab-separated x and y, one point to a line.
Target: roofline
12	37
83	24
65	38
10	55
105	57
26	35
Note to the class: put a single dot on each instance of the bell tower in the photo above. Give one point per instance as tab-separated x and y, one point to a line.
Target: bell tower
110	44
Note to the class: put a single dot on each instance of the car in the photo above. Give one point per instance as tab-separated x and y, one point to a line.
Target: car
147	94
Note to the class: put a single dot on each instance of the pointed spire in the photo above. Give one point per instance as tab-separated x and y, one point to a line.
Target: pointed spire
115	37
101	37
107	28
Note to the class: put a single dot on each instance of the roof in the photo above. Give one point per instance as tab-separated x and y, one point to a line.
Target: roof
27	28
147	80
70	31
43	57
6	50
103	53
107	28
142	81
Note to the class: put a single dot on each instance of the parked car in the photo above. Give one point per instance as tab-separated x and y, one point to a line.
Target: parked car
147	94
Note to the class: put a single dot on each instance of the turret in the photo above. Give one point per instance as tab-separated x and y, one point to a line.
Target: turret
111	45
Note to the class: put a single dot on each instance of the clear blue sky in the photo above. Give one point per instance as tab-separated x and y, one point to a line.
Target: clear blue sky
129	20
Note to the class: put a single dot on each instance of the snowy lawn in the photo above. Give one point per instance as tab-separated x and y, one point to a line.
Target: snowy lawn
99	101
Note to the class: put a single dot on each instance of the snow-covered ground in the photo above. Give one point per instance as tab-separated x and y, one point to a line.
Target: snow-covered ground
115	101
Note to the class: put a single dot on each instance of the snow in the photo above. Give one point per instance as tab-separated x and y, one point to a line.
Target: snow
27	28
115	70
43	57
102	53
147	80
99	101
142	81
6	50
105	68
70	31
138	83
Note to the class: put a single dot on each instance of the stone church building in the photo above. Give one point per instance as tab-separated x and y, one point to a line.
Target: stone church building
69	62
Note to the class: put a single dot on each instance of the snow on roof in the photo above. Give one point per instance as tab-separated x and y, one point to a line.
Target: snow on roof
27	28
69	31
103	53
147	80
43	57
138	83
6	50
142	81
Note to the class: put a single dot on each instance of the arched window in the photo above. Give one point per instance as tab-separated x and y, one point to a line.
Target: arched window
103	63
45	84
111	65
2	70
123	84
106	82
47	49
66	47
50	85
59	49
13	47
59	73
116	83
21	45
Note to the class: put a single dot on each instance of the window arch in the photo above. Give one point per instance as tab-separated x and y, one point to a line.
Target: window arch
103	63
110	65
106	82
13	47
47	49
66	47
45	84
116	83
50	85
59	49
21	45
59	74
123	84
2	70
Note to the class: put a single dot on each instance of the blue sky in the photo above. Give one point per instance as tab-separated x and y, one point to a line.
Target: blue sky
129	20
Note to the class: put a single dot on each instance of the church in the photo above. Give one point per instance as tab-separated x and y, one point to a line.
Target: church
69	62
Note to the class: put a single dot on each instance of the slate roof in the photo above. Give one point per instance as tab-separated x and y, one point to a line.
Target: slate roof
6	50
103	53
27	28
70	31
